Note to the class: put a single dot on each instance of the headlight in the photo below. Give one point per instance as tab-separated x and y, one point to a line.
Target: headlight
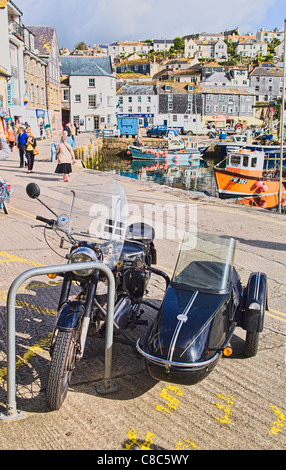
83	255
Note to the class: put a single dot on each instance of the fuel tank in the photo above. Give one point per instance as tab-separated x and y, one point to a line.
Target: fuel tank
186	339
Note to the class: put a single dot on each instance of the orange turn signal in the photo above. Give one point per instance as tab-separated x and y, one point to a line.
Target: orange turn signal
227	351
52	276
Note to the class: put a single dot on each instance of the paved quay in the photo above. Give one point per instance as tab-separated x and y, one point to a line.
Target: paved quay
241	405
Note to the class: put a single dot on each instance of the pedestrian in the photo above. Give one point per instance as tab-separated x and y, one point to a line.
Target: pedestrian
31	150
22	138
11	138
65	157
73	133
76	128
4	147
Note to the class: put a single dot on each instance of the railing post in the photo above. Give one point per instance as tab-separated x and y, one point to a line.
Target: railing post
107	387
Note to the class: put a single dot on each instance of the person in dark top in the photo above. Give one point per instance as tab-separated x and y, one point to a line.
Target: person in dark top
22	139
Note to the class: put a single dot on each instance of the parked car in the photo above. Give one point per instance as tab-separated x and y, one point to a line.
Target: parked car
160	131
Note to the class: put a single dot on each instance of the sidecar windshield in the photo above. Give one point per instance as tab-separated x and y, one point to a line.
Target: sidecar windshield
94	208
205	263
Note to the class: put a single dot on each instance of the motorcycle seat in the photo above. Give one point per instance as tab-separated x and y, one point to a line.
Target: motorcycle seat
140	231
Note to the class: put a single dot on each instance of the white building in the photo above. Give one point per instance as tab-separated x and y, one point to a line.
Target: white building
267	36
92	91
251	48
12	58
140	100
214	48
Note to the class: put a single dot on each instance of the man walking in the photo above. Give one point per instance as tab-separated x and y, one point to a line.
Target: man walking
22	138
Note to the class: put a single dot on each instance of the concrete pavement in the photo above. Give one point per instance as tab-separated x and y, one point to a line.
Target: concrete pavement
241	405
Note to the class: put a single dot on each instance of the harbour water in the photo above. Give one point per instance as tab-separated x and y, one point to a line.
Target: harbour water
176	174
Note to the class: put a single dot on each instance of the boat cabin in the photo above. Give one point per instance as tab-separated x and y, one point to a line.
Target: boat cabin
246	162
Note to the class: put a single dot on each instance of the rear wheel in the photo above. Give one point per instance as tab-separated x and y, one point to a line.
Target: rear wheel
251	344
61	368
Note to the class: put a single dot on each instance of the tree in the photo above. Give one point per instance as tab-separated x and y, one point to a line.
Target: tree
179	44
81	46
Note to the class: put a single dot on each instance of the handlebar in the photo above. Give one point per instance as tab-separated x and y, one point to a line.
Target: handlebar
50	222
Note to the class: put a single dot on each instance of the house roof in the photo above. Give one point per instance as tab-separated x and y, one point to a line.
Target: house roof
224	90
267	70
86	65
43	38
140	89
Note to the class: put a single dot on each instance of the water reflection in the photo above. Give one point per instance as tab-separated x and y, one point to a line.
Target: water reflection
176	174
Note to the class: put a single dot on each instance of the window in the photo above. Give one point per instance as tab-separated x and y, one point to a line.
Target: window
76	120
91	82
109	101
170	106
77	98
129	109
209	97
129	99
139	99
139	109
92	101
148	109
148	99
170	98
175	117
65	95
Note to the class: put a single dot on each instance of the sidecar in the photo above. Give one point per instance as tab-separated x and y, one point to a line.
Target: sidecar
202	306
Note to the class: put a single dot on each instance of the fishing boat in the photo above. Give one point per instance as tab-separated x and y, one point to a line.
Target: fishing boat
245	140
245	179
174	147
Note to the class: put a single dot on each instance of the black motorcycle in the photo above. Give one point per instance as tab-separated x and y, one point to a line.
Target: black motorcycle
91	218
203	303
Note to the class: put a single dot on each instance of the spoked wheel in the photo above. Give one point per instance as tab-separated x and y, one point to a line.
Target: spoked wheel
251	344
61	368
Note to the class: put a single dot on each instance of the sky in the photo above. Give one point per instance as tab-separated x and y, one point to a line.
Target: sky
107	21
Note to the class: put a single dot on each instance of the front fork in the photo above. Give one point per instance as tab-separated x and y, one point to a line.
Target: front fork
75	315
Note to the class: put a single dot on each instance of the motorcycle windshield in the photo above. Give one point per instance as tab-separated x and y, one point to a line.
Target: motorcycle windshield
205	263
94	209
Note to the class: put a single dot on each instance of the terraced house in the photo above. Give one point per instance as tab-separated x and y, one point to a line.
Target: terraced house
48	50
267	81
89	85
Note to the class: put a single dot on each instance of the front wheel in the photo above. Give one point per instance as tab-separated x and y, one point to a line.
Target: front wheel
61	368
251	344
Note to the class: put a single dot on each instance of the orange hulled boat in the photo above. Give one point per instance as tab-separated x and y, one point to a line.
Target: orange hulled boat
244	179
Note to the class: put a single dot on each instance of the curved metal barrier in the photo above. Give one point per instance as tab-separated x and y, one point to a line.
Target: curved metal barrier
108	386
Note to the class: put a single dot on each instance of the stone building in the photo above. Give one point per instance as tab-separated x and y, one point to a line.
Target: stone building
47	45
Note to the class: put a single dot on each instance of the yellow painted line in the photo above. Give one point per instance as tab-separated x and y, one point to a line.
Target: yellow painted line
17	259
274	316
20	212
277	311
35	350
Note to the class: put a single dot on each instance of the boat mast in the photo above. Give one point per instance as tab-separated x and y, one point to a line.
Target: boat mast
282	122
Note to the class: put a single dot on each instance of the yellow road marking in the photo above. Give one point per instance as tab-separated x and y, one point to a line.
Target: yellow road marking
20	212
29	354
17	259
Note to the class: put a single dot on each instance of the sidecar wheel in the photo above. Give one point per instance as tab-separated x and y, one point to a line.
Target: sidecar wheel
61	368
251	344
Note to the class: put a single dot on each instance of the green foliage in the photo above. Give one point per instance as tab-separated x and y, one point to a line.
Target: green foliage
81	46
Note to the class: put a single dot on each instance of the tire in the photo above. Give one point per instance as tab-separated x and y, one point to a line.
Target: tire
190	133
251	344
61	368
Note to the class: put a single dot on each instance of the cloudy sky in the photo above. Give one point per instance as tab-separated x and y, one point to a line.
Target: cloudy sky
105	21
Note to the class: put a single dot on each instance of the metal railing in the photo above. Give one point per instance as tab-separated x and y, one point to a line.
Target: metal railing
108	386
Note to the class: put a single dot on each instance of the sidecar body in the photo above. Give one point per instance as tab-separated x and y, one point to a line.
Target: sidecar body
202	306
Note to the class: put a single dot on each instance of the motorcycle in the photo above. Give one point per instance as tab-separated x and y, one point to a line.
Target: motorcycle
202	305
91	218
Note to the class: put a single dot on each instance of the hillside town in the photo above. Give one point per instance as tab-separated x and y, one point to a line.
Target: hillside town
221	78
